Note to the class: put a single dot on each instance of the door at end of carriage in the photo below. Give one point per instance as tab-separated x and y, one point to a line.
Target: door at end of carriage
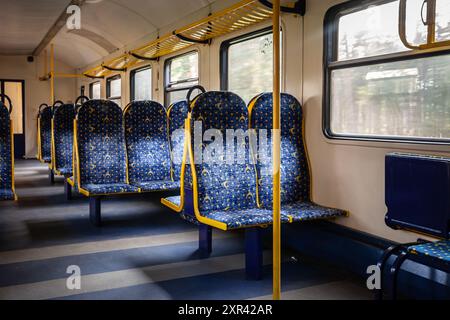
15	90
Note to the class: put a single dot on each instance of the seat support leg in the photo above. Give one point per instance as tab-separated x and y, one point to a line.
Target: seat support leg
67	190
204	240
95	211
253	253
51	176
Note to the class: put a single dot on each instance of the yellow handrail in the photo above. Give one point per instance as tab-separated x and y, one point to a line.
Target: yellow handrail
276	153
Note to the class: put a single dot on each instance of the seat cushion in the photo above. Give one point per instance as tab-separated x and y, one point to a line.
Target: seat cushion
47	159
175	200
158	186
437	250
113	188
65	171
305	211
237	219
6	194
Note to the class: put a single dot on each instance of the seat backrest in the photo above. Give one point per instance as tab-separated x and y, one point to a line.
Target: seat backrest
177	114
418	193
100	143
147	142
295	174
63	117
221	184
6	174
45	126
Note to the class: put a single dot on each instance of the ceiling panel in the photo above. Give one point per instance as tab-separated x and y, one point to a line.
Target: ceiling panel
25	23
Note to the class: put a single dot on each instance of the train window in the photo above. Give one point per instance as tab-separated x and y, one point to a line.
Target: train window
246	64
114	89
181	73
141	84
375	87
95	90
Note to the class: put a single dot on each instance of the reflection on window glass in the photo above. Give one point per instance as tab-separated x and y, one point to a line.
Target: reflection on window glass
115	87
442	20
182	74
184	67
408	99
143	84
95	90
250	67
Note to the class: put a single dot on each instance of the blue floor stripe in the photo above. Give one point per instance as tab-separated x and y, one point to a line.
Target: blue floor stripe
230	285
36	271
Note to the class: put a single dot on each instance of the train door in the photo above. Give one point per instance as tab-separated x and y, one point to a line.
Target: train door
15	90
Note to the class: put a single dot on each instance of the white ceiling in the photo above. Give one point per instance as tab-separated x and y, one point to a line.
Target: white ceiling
24	23
106	25
109	25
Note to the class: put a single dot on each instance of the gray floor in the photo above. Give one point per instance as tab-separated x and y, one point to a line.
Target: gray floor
143	251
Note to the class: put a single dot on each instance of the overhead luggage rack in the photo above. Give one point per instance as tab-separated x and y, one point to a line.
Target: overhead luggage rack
241	15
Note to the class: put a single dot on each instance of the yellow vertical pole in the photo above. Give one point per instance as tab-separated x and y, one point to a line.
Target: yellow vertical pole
276	153
52	74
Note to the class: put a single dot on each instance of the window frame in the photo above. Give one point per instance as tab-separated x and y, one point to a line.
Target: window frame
91	89
133	80
108	87
167	62
330	63
226	44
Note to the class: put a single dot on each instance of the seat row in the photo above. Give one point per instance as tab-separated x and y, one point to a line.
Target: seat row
7	189
55	136
119	152
236	195
139	150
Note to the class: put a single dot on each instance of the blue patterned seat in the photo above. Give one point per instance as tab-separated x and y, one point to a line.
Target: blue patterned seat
6	156
177	115
226	189
295	175
63	117
439	251
148	150
101	150
45	131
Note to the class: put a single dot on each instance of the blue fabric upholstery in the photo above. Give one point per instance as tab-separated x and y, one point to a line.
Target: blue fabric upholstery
63	138
306	211
176	200
112	188
226	190
147	141
158	185
101	148
295	176
177	114
244	218
437	250
45	119
6	194
6	180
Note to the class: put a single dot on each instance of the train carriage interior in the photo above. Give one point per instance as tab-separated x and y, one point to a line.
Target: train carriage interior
225	150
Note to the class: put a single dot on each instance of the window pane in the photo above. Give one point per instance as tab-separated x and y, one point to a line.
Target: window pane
184	67
96	87
408	99
374	31
115	87
250	67
176	96
442	20
143	84
14	91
